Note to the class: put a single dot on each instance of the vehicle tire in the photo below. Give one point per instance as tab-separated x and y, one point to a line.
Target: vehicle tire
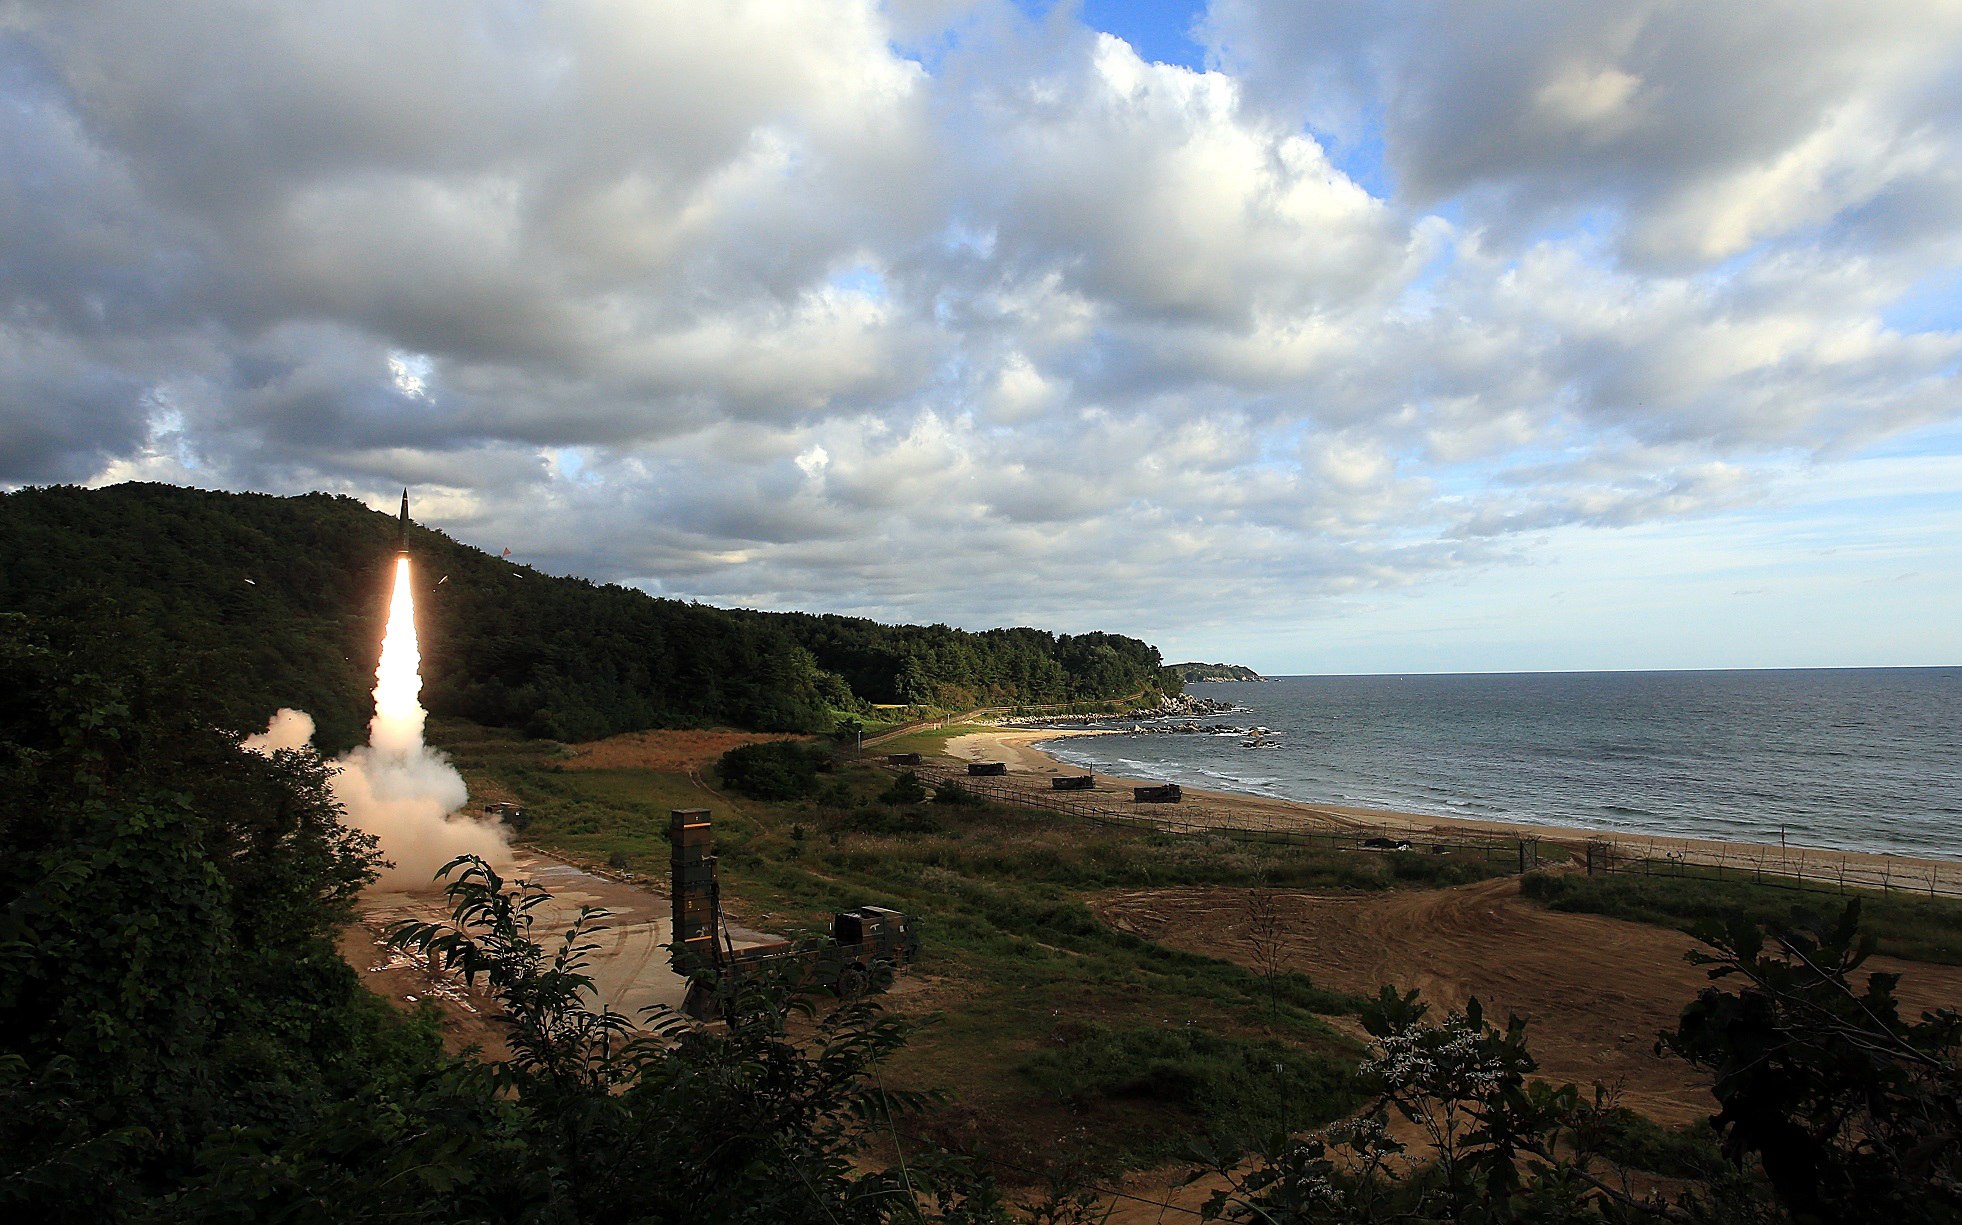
852	981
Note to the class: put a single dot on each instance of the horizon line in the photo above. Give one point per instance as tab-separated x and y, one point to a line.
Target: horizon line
1277	676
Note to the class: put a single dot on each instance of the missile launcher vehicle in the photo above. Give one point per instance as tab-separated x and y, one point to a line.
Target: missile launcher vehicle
863	947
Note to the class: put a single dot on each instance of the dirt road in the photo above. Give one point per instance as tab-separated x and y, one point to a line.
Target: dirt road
1595	990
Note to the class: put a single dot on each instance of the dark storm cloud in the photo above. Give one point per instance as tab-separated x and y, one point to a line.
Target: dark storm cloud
62	418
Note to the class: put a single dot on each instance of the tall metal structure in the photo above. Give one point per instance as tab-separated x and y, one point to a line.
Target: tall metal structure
863	946
697	906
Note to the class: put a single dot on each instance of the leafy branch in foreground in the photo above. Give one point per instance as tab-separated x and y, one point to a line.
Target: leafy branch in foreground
552	1033
1854	1113
1496	1145
760	1121
1832	1108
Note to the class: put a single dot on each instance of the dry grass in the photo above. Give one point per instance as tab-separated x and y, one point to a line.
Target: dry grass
676	752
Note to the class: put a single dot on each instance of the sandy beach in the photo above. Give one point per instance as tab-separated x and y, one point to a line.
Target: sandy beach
1017	748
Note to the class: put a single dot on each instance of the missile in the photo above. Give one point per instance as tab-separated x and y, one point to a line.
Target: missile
402	540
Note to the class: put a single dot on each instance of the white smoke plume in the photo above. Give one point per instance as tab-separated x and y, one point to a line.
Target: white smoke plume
395	787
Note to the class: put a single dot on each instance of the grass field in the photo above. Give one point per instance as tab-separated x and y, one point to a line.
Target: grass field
930	740
1030	1000
1922	929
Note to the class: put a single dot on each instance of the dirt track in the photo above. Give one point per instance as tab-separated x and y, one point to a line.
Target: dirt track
1595	990
678	752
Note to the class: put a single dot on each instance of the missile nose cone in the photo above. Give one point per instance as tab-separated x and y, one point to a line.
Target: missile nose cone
402	538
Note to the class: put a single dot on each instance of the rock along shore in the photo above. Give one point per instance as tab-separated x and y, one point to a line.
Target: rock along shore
1143	721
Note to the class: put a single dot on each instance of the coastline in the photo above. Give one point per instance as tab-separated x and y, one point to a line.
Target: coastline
1861	869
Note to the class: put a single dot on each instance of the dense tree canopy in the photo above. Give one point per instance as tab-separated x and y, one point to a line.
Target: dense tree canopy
180	1041
167	908
938	665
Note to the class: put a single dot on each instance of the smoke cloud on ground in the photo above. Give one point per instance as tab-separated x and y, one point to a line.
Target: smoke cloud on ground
404	793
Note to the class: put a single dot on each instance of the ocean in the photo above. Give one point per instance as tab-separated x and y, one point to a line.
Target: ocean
1845	759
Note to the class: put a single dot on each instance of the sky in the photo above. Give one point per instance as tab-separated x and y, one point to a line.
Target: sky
1351	336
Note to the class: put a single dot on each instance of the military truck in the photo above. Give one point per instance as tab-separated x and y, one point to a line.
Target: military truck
862	946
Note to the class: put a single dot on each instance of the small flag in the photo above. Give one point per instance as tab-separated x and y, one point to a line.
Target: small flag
507	552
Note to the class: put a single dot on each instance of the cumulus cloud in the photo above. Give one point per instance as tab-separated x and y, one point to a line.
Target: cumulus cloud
1715	126
932	310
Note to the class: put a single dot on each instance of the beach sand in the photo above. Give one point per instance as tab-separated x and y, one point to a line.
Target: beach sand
1853	869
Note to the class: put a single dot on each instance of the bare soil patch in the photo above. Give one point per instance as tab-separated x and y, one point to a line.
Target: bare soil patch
409	983
1595	990
630	966
675	752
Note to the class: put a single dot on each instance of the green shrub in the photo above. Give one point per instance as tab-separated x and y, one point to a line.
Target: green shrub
906	789
949	791
774	770
1921	929
1637	1143
1235	1085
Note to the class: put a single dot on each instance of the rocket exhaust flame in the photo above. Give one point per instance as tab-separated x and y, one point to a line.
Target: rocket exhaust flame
396	729
395	787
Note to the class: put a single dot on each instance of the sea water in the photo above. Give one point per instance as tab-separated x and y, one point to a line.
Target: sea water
1848	759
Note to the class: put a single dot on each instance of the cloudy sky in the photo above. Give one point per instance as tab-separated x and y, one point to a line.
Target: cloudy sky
1339	336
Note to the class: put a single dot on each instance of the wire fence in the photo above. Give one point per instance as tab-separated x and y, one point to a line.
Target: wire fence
1712	859
1811	871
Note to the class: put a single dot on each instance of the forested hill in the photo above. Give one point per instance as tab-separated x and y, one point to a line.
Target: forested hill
954	668
280	602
